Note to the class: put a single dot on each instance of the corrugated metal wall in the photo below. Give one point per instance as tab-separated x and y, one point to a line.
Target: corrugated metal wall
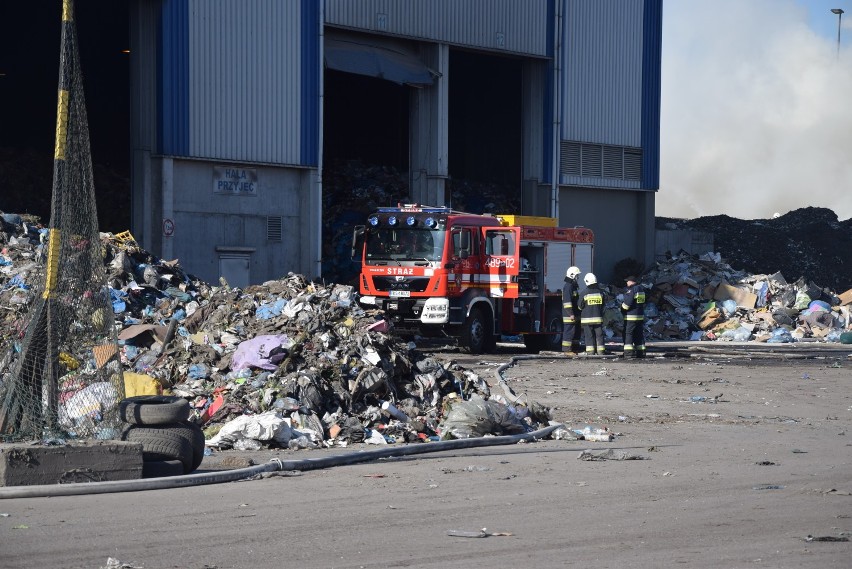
172	63
245	80
602	79
501	25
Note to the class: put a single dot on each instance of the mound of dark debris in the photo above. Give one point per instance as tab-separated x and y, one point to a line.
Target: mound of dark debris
809	242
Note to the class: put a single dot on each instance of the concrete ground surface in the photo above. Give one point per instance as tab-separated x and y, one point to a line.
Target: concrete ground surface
741	453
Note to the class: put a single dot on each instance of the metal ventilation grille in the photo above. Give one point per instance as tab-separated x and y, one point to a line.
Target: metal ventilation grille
600	161
632	164
274	226
592	160
570	156
613	162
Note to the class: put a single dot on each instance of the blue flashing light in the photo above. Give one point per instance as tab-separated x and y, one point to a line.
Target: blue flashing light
430	222
392	220
374	220
410	220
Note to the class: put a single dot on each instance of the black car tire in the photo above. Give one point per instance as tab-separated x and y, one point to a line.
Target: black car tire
153	410
163	442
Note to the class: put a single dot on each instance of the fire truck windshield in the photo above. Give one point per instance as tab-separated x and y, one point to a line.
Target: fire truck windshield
404	244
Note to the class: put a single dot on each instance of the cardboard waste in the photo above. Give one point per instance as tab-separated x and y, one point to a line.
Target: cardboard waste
703	298
288	362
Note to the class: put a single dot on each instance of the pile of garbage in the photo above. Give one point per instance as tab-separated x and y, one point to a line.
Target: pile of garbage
288	363
809	242
703	298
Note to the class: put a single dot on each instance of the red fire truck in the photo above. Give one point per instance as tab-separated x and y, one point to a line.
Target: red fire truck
440	272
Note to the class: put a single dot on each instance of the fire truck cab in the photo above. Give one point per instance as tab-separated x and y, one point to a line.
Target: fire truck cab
440	272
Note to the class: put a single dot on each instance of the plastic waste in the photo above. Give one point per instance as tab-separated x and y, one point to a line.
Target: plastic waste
299	443
198	371
247	444
729	307
761	288
833	336
286	404
477	417
595	434
562	433
268	310
780	336
802	300
737	335
264	352
266	426
244	373
391	410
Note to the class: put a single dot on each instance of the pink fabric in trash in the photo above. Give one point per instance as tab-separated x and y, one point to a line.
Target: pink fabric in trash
380	326
260	352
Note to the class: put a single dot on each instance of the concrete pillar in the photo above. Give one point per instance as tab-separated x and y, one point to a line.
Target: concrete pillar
428	133
533	201
167	181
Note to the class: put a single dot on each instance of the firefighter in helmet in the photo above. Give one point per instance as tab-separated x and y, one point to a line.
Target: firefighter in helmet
571	312
633	308
591	315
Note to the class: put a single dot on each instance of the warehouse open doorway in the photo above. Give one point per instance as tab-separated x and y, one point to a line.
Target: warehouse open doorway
29	82
365	159
485	132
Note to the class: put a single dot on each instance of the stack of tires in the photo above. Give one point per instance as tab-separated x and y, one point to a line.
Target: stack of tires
171	444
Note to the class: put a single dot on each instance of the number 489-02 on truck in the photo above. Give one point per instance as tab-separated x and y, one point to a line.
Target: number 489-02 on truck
440	272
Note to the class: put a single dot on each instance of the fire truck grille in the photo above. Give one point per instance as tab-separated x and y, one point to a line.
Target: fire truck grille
411	284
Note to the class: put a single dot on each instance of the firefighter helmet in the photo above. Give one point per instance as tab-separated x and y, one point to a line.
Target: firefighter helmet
590	279
572	272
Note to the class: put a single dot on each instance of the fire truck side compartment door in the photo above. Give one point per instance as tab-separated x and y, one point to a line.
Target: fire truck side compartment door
584	257
502	261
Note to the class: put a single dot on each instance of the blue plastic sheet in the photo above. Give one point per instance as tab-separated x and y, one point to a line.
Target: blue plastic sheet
118	303
198	371
268	310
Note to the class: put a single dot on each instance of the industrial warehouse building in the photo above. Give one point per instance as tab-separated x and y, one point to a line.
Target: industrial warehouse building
241	109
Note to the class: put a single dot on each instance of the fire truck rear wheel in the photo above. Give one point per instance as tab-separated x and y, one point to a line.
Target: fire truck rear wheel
477	335
553	323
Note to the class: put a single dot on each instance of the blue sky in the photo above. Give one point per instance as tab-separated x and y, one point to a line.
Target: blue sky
756	108
824	22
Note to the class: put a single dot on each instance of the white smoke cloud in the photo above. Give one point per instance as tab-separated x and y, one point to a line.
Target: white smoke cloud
756	112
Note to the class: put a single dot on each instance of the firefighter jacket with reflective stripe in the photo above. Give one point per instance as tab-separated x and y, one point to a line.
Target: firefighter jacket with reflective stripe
633	303
570	301
591	305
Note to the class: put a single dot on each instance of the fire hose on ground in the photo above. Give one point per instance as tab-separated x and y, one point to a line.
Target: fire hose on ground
276	465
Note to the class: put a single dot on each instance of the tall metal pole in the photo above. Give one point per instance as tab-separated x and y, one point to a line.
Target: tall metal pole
839	12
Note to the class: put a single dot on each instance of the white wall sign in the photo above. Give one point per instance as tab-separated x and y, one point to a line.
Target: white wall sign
234	181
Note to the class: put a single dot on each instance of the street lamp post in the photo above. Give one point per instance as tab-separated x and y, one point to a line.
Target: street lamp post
839	12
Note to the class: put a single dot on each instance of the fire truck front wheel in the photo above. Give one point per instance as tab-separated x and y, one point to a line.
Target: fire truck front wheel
477	334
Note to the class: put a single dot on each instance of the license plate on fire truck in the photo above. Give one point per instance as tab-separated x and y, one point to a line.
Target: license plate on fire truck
399	293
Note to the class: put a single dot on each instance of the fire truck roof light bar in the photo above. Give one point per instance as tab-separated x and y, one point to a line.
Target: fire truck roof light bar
414	208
